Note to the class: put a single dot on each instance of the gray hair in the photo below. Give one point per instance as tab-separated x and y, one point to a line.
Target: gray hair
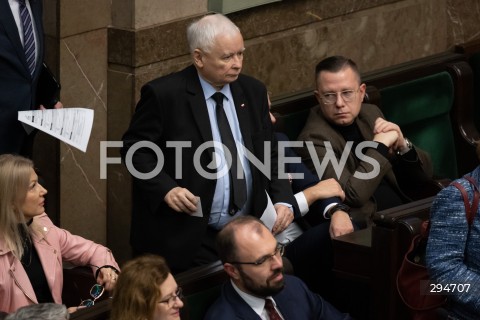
201	33
41	311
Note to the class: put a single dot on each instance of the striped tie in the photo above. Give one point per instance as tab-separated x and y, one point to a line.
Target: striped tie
28	38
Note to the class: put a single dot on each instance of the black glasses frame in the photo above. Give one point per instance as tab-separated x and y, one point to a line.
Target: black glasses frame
279	249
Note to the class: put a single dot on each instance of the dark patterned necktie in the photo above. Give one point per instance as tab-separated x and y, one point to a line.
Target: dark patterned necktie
28	38
238	188
271	311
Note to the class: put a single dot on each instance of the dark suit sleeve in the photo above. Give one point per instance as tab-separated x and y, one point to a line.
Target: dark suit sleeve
309	179
278	187
296	301
147	125
280	190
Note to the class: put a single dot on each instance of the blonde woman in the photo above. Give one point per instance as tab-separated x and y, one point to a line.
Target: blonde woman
32	248
146	290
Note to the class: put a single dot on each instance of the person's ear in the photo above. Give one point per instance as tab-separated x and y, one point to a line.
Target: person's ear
198	58
231	270
362	89
317	95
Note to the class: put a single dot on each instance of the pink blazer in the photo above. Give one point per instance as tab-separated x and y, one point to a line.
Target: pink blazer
54	245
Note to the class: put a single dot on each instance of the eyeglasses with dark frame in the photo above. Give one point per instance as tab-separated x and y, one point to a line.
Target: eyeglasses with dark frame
331	97
279	250
95	292
170	301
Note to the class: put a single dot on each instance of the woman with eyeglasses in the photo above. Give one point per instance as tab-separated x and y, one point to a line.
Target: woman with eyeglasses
146	290
32	248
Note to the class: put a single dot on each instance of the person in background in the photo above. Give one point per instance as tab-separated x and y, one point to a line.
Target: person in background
258	288
453	249
322	198
146	290
320	203
178	210
41	311
21	60
32	248
387	166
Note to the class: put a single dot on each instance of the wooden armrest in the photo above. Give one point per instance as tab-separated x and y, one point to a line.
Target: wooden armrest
77	282
389	217
100	311
353	255
201	278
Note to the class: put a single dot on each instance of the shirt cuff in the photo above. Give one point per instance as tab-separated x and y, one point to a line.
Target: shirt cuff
328	207
302	203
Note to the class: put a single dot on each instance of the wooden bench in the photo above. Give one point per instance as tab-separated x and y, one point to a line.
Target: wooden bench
370	260
201	287
77	282
472	52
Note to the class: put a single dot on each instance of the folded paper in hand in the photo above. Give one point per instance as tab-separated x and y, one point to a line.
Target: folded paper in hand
71	125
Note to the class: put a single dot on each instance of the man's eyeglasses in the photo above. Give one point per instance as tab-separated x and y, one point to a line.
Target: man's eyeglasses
95	292
279	250
331	97
170	301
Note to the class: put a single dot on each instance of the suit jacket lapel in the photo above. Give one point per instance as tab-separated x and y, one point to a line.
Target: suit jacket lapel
6	18
242	107
242	309
196	100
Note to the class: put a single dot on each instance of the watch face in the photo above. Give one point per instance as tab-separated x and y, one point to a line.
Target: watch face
409	144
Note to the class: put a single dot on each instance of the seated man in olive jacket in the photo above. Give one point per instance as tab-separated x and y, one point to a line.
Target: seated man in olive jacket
374	163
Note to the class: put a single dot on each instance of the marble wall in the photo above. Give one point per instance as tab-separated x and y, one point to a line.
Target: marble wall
106	54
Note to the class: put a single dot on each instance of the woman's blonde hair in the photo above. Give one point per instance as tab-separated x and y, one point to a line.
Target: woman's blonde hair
14	181
138	288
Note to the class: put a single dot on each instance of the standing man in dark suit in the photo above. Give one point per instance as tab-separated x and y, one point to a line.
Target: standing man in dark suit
179	208
258	289
19	75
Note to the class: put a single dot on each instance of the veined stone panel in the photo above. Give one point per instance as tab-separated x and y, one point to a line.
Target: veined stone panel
82	16
374	38
84	84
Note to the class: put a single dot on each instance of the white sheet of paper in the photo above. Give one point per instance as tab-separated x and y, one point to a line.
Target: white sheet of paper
270	215
71	125
199	212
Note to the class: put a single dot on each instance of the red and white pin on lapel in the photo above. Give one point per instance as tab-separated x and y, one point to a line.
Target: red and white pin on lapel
242	105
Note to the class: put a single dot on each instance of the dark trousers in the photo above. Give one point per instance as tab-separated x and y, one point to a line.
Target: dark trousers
311	255
207	252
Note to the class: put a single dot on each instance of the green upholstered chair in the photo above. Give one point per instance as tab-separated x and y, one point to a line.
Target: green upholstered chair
291	124
201	287
421	108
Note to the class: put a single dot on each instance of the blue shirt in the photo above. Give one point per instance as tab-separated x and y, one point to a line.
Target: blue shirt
219	215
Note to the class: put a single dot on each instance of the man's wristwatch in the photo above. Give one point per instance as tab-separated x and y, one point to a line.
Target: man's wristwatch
409	147
337	207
